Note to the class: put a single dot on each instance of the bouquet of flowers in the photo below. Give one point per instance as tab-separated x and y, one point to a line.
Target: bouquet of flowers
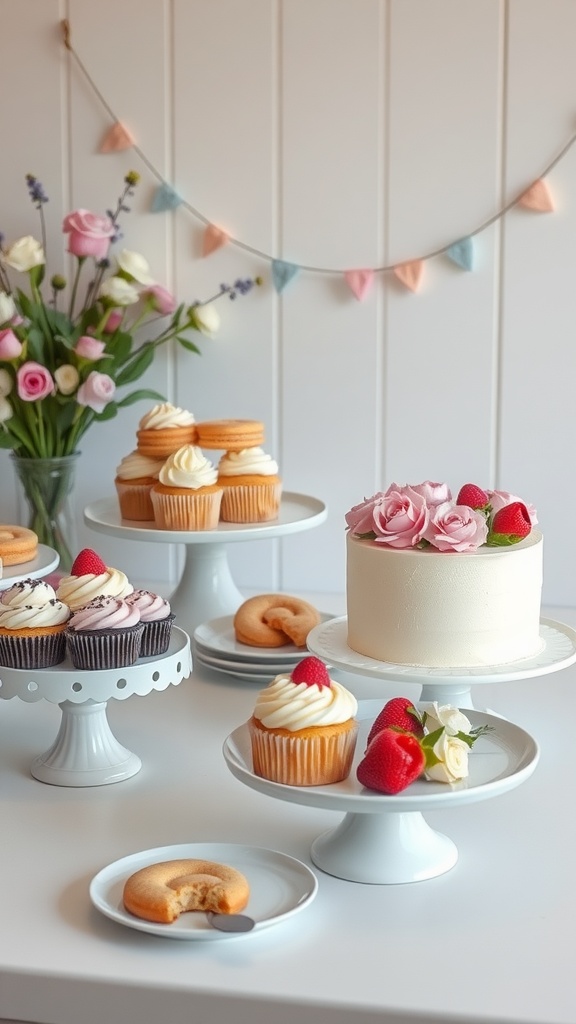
60	368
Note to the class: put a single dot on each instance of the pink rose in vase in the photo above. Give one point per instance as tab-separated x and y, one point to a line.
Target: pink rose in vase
10	345
89	234
96	391
34	382
456	528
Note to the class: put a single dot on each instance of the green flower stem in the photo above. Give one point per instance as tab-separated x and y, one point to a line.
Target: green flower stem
81	261
46	485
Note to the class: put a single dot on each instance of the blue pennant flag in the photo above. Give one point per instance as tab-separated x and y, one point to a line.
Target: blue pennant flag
282	274
462	253
166	198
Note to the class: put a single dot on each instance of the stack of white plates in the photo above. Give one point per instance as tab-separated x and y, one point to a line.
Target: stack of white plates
216	647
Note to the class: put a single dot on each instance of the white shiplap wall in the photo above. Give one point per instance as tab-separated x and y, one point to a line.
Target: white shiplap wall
337	134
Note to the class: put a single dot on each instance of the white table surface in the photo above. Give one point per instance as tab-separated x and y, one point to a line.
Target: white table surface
491	940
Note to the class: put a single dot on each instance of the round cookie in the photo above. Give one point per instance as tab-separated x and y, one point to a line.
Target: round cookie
163	891
18	544
274	620
230	435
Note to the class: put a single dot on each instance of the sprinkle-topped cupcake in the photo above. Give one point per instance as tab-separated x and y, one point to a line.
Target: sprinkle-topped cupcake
32	625
303	729
157	617
105	633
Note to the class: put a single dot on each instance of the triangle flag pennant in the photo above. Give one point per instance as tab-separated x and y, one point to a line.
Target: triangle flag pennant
410	273
165	198
117	138
282	274
213	239
359	282
537	198
462	253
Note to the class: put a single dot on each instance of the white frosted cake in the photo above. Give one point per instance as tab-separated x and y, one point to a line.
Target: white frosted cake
439	583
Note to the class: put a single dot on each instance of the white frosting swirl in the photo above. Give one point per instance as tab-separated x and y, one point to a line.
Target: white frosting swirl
31	593
166	415
53	613
76	591
287	705
188	467
135	466
247	462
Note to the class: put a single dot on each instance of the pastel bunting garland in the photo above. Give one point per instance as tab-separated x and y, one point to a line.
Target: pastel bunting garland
535	198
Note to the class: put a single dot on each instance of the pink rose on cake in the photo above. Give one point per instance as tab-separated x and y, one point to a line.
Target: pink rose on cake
456	528
397	518
433	493
499	499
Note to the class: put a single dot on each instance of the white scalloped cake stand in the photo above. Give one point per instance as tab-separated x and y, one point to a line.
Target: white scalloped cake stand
46	560
385	839
85	751
446	685
206	589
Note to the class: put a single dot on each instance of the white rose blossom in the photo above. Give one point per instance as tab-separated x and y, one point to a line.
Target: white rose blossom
5	383
67	378
7	308
453	759
133	264
206	319
118	292
453	720
24	254
6	411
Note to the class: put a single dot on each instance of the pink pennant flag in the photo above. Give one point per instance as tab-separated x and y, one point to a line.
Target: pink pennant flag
214	238
410	273
359	282
117	137
537	198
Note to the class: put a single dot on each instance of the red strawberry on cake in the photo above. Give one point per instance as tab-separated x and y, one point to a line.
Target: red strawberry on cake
90	577
401	713
473	496
393	760
510	524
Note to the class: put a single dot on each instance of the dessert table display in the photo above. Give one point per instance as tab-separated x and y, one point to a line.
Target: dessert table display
483	943
206	589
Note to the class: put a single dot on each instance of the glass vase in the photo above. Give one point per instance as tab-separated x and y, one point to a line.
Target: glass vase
46	502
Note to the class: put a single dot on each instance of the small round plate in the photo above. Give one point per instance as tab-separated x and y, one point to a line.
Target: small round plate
217	637
280	886
46	560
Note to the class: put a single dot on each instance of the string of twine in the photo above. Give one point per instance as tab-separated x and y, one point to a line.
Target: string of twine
260	253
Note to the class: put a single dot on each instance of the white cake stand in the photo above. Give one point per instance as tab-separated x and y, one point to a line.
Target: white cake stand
385	839
46	560
85	751
447	686
206	589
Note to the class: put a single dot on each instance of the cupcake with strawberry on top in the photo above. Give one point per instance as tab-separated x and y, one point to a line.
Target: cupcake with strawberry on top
90	577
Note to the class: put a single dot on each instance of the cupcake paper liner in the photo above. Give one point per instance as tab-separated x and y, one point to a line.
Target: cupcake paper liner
156	636
245	503
134	501
92	649
192	510
297	761
40	651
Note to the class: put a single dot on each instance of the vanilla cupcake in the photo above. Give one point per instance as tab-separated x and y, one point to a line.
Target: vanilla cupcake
187	496
303	729
105	633
165	429
91	578
157	617
32	626
135	477
251	486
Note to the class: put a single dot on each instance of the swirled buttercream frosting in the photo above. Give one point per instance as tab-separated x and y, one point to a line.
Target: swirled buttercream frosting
284	704
52	613
247	462
188	467
28	592
136	466
166	415
105	613
77	591
151	606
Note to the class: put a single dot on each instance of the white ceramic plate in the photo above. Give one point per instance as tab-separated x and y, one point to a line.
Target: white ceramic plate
280	886
240	668
498	762
46	560
217	637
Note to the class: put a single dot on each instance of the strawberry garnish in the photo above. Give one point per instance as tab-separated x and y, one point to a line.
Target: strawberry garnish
401	713
311	671
87	563
510	524
392	761
473	496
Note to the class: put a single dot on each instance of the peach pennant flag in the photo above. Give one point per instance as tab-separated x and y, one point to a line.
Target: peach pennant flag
117	138
410	273
213	239
359	282
537	198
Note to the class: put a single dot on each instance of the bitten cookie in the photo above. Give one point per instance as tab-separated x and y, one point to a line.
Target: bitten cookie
274	620
163	891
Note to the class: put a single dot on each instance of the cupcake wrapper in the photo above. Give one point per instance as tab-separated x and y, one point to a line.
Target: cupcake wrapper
191	511
156	636
32	651
135	503
293	761
99	649
250	504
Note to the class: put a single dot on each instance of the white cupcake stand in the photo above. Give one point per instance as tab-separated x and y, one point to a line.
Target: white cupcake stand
206	589
85	751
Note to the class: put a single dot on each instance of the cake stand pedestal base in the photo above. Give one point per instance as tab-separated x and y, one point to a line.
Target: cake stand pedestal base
384	849
85	751
206	589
